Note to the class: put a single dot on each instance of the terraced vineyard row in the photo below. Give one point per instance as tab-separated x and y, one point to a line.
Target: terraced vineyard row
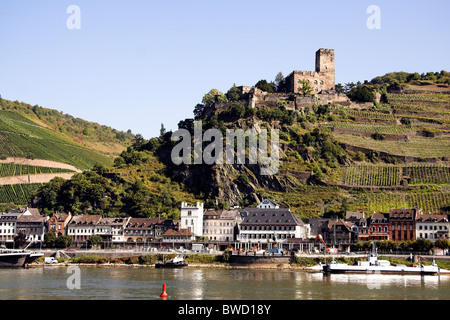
434	202
21	139
420	174
372	175
19	194
391	175
12	169
370	115
393	129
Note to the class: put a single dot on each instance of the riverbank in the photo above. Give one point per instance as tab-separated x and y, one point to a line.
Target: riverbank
223	261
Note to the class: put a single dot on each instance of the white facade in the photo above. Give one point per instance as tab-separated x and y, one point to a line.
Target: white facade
192	218
220	225
268	204
432	227
275	225
8	226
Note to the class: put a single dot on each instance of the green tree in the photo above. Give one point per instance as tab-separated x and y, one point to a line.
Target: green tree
442	244
265	86
94	241
63	241
233	94
305	87
212	97
49	239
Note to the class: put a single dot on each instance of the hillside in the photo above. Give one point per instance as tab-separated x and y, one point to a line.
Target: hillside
389	147
67	128
39	133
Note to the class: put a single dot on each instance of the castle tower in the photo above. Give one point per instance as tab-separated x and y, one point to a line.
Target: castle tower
192	218
322	80
325	66
325	60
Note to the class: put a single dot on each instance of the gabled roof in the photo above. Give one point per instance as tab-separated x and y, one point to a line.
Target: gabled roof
31	218
354	215
280	217
220	214
143	223
85	219
113	221
379	216
180	233
407	214
432	218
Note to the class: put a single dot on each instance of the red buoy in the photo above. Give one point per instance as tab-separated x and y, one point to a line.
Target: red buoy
164	294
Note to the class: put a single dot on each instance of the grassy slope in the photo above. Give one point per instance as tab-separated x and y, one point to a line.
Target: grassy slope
21	137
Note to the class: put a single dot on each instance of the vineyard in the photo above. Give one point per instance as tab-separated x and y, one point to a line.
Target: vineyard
416	146
19	194
370	115
423	174
434	202
19	138
392	129
385	175
11	169
439	105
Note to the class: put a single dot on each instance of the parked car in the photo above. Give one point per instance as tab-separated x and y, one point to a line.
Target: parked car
50	260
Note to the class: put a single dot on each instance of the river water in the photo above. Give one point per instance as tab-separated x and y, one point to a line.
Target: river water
88	283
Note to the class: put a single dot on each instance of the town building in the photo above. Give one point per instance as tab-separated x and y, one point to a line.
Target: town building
402	224
432	226
111	229
268	204
58	222
379	227
8	223
81	227
141	230
32	225
271	225
192	218
337	231
221	225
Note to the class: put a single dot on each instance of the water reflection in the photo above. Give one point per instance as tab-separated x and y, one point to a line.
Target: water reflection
215	284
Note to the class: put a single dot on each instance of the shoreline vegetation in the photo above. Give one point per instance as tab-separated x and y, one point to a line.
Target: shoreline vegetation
222	261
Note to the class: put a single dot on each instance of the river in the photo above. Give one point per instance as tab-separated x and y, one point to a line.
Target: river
88	283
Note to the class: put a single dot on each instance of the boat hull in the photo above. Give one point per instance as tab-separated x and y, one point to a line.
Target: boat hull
171	265
422	270
15	260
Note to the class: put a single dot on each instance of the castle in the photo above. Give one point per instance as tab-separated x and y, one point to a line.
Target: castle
322	80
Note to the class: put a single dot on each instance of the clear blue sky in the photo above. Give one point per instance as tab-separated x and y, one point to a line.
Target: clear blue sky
136	64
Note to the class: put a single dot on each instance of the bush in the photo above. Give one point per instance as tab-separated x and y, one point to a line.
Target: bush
94	259
242	178
378	136
148	259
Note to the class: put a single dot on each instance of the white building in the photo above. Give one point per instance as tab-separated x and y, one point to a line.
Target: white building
112	229
271	225
192	218
81	227
8	223
268	204
432	226
221	225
